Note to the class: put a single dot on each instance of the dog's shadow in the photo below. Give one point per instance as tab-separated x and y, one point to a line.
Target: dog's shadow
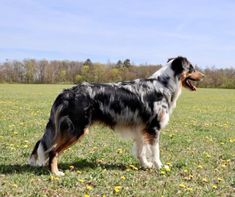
79	165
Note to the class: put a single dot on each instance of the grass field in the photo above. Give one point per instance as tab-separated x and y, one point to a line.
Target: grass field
198	147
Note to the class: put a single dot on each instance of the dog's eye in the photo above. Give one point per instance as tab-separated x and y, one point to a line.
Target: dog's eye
191	69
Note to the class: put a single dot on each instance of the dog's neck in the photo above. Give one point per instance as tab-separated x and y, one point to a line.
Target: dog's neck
174	85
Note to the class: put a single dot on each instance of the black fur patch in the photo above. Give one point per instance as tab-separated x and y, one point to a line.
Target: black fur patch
44	145
164	80
34	152
177	65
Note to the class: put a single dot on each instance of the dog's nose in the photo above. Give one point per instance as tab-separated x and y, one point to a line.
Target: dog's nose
202	76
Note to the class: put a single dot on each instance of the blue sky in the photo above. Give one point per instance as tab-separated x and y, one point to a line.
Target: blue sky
144	31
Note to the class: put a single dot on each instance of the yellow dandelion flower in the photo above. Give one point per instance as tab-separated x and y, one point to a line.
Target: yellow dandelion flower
185	170
162	172
123	177
89	187
189	189
169	163
208	155
190	176
56	178
219	179
71	167
214	186
182	185
86	195
119	151
199	166
14	185
117	189
223	165
52	178
25	146
167	168
81	180
171	135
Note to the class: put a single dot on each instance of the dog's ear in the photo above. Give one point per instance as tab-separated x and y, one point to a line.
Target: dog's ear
169	59
179	64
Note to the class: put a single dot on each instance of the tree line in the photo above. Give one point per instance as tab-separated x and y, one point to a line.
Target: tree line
44	71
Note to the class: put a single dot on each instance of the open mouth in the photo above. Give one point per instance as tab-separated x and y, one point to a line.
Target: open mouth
189	84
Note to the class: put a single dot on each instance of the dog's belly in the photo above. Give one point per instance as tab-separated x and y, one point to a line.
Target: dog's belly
130	131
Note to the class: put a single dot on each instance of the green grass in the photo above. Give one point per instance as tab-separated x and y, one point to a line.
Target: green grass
198	145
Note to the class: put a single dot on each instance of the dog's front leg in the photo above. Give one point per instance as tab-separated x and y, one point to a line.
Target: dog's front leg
141	151
156	151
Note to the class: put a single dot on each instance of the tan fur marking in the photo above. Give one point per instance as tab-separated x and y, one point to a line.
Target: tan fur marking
62	143
86	131
66	145
148	138
161	114
196	75
54	164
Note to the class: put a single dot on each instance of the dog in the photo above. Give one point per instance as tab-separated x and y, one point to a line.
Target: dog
138	108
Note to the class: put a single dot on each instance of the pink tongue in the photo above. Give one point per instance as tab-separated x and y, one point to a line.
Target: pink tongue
193	87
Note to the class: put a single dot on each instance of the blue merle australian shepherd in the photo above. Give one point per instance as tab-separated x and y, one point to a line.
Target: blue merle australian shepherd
139	108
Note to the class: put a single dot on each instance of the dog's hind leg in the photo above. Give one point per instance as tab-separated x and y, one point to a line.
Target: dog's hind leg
67	141
54	154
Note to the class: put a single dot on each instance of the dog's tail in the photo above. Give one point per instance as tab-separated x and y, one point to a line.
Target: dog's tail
40	153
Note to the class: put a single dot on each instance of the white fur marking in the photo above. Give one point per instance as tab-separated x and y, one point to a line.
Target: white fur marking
32	161
40	159
156	155
164	121
59	173
142	153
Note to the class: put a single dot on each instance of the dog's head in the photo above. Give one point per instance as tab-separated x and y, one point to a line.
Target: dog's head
185	72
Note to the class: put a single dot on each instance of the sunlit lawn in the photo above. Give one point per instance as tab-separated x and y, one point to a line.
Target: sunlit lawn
197	148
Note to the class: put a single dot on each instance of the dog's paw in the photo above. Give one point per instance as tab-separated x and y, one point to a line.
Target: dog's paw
58	173
147	165
157	164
